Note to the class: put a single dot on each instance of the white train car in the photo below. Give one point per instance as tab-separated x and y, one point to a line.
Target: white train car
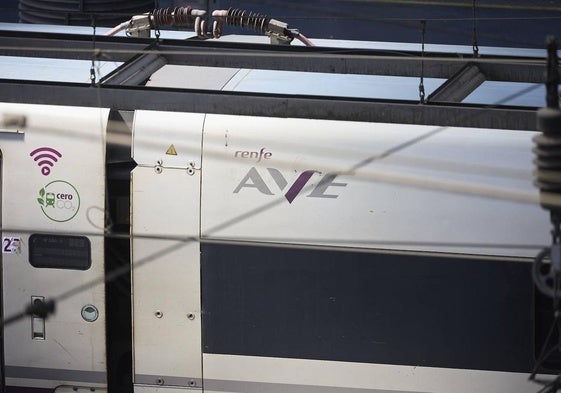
268	254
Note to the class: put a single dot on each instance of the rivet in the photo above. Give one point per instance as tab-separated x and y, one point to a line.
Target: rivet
158	314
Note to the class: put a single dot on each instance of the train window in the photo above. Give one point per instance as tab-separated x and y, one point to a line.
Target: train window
60	252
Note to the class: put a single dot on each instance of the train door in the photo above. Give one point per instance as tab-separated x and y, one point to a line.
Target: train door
52	231
166	253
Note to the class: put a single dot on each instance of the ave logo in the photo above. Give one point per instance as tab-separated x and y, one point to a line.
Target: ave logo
255	180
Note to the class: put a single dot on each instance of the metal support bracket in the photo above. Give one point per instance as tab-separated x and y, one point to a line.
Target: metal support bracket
459	86
136	71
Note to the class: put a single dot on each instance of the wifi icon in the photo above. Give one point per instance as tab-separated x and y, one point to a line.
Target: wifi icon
45	157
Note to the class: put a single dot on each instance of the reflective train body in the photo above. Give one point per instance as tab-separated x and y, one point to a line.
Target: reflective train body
266	254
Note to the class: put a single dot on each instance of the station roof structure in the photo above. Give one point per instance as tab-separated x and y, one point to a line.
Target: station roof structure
246	75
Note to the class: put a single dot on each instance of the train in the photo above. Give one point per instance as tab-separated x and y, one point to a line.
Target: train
220	251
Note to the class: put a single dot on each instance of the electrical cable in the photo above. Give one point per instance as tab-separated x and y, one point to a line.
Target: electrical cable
118	28
304	39
334	244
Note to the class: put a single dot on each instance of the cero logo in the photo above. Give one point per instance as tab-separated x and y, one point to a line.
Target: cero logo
254	180
59	201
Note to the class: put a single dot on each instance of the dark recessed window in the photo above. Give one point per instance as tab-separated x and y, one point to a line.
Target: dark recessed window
60	252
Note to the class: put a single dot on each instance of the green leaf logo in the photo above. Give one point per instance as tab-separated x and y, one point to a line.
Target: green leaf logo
40	200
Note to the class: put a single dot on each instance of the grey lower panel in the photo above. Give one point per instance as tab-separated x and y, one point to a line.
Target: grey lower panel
392	309
262	387
164	380
55	374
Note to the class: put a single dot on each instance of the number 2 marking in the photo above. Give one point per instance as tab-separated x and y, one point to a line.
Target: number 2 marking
7	243
10	245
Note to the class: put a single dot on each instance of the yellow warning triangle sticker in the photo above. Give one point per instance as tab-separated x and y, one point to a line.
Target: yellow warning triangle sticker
171	151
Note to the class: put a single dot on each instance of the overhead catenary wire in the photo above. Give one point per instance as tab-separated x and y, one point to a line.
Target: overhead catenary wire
341	244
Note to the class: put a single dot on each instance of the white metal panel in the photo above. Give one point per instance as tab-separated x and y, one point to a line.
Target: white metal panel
337	85
166	257
403	187
227	373
166	277
155	132
287	82
70	344
192	77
